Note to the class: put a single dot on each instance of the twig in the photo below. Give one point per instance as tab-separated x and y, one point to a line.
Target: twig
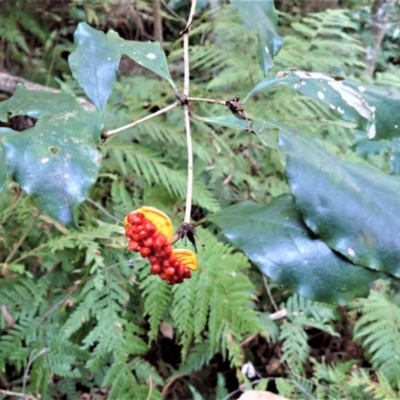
172	11
102	209
139	121
211	101
55	306
271	299
381	10
28	367
279	314
7	316
21	240
151	388
167	386
186	76
15	394
157	20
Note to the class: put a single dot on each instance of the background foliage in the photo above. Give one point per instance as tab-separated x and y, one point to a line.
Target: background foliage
81	316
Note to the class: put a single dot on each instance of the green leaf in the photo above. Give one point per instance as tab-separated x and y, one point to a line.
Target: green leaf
345	102
56	161
36	104
354	208
386	102
149	55
261	18
276	240
94	62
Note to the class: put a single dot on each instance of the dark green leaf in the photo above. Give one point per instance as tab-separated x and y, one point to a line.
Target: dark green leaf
149	55
94	62
346	103
366	147
56	161
354	208
386	102
275	239
261	17
36	104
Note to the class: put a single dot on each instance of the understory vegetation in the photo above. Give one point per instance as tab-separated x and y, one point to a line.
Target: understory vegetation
80	314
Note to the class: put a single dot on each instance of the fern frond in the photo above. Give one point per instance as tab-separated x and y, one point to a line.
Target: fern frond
381	390
378	329
157	298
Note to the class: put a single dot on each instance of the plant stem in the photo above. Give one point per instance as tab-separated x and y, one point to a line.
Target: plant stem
186	76
21	240
211	101
144	119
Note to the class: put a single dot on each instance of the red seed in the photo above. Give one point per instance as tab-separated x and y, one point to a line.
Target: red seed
149	227
135	237
159	241
148	242
169	271
187	273
153	259
143	234
181	270
135	219
164	276
129	231
179	279
133	246
145	251
155	269
166	264
167	249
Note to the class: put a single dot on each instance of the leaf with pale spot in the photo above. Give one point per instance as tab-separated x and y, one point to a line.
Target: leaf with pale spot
56	161
94	62
344	101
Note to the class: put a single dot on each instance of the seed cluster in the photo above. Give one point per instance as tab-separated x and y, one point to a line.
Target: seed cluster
153	245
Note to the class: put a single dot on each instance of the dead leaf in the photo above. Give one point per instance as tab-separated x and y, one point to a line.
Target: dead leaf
166	330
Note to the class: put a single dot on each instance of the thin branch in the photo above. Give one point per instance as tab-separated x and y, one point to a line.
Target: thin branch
211	101
7	316
279	314
186	78
28	367
157	19
168	385
103	210
269	293
58	304
151	388
381	10
22	239
189	192
139	121
172	11
16	394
